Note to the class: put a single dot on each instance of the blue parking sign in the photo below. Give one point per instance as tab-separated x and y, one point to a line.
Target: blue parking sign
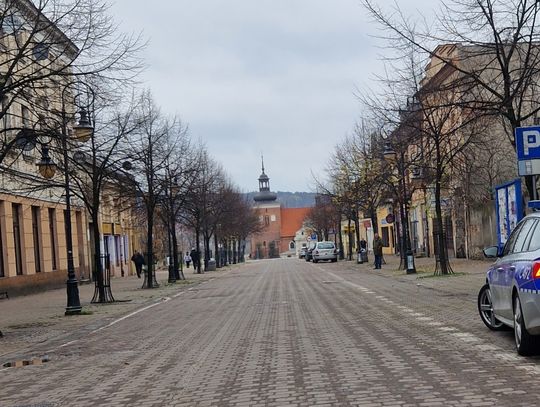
528	150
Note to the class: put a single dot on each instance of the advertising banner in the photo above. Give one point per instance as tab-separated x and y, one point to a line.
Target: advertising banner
508	209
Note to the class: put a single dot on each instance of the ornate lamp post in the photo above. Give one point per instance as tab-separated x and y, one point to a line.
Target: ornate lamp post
82	132
406	254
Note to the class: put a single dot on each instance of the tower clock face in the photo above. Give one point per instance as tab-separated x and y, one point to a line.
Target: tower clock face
40	51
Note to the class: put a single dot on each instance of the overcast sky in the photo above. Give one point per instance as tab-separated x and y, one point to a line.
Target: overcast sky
259	76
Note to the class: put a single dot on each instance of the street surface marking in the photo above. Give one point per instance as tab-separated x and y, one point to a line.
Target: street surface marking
163	300
472	340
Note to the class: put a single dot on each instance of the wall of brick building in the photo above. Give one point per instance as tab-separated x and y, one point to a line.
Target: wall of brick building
270	217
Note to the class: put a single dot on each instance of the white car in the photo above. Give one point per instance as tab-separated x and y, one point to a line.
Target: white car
324	251
511	295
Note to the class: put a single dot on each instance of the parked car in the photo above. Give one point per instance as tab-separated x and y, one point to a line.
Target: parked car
324	251
302	253
511	296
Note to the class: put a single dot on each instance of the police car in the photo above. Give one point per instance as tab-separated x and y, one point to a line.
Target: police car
511	296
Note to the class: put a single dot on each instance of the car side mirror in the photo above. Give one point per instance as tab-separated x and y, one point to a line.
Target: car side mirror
491	252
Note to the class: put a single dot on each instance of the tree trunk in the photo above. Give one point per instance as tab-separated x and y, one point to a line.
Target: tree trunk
98	271
403	246
149	250
206	250
349	235
442	266
340	239
357	229
197	245
176	258
170	266
217	255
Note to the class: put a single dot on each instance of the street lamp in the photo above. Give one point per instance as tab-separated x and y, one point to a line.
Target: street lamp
406	254
82	132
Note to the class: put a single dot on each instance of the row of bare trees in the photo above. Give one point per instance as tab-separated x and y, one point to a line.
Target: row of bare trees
456	86
60	58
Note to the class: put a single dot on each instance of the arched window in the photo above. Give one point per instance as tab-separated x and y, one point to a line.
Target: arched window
292	246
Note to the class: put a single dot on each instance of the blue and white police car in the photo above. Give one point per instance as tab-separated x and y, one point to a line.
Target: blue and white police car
511	295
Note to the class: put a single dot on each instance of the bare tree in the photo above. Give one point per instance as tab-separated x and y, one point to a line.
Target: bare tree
491	45
149	150
180	176
96	168
196	213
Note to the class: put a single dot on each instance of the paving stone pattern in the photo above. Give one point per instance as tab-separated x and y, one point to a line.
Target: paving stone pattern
289	333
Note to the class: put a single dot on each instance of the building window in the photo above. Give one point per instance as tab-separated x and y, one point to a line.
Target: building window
273	218
25	115
266	220
36	233
292	246
54	241
17	238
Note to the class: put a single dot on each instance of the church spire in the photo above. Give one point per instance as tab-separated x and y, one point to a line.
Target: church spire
264	186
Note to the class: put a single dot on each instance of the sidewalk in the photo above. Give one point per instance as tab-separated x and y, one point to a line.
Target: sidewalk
29	320
467	279
426	265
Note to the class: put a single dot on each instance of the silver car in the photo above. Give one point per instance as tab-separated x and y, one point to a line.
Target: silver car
511	295
324	251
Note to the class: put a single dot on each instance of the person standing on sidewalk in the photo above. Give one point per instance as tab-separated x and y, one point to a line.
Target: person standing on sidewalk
138	259
377	250
187	260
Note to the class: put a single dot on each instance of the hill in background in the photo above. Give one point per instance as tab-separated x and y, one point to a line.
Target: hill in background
292	199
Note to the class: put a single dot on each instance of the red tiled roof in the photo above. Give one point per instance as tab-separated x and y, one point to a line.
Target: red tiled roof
291	220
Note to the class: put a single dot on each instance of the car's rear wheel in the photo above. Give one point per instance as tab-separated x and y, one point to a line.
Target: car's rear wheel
485	308
334	260
525	342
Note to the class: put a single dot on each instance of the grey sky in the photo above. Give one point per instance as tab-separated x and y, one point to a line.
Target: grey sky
252	76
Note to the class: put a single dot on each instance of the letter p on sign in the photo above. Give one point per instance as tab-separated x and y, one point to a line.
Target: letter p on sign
531	139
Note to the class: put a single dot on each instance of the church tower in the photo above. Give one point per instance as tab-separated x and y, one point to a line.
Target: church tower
266	243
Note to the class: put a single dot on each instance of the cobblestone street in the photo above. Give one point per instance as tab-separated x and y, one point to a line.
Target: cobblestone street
280	333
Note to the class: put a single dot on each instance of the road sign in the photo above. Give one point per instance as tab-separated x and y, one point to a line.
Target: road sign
528	150
390	218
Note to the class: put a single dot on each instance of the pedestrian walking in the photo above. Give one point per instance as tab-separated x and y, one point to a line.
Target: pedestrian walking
138	259
377	250
187	260
195	258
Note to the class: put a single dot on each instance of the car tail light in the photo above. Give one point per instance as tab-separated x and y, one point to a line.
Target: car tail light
536	270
